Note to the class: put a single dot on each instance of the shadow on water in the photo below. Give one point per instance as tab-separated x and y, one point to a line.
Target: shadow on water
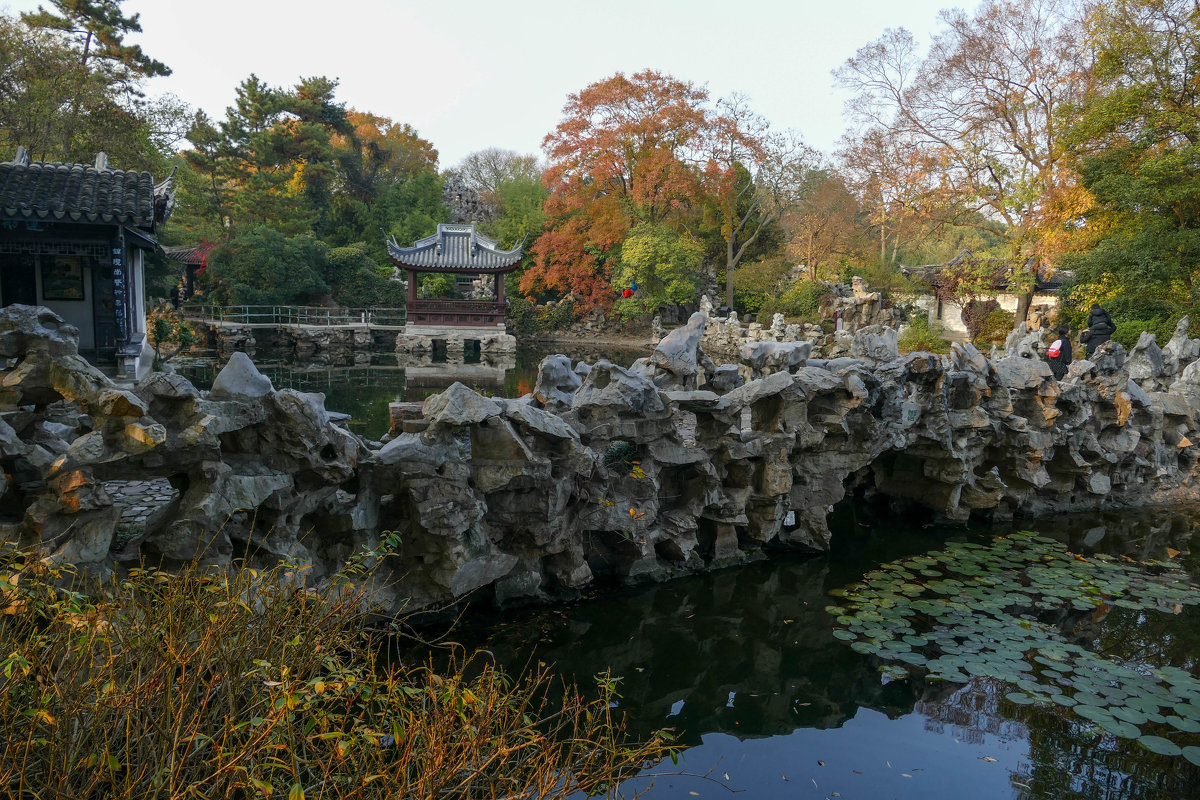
742	664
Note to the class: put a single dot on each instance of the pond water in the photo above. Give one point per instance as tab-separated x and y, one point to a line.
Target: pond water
770	694
363	390
745	666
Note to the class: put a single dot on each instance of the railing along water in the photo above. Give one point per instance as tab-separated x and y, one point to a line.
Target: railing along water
316	316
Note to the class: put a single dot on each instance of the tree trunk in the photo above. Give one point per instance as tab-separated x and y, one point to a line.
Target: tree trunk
730	266
1024	300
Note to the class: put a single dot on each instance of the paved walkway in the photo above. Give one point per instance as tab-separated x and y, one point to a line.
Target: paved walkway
138	500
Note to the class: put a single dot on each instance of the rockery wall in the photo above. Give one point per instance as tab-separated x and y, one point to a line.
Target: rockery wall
603	473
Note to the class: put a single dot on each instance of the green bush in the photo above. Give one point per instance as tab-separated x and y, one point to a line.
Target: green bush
756	283
528	319
922	336
356	281
996	327
264	267
438	285
239	683
801	302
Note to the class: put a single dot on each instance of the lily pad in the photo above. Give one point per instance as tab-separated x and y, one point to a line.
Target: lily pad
1157	744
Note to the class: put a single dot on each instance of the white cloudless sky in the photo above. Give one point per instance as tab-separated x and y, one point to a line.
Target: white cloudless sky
473	74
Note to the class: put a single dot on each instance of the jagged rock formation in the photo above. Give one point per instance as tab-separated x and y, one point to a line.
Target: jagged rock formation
604	473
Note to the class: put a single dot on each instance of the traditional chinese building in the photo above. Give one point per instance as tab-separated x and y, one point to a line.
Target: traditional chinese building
73	238
460	251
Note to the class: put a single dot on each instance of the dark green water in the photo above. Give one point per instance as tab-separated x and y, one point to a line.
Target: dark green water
364	390
742	664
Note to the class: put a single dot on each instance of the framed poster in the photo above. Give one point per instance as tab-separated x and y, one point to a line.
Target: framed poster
62	278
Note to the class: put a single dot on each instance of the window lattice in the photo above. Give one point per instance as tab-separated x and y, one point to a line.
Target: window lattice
57	248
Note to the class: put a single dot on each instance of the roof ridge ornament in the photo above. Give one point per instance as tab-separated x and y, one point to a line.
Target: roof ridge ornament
102	160
21	159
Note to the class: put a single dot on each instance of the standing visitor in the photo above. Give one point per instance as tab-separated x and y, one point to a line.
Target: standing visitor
175	297
1100	328
1059	355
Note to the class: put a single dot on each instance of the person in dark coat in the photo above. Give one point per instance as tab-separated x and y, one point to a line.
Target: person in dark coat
1059	353
1100	328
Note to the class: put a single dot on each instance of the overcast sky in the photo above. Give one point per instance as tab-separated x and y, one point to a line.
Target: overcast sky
475	73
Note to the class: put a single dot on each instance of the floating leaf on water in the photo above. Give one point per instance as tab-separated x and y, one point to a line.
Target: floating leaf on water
845	636
1130	715
1185	725
1020	698
1120	728
1192	754
1088	711
1157	744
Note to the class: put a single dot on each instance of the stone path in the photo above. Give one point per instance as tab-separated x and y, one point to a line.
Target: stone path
138	501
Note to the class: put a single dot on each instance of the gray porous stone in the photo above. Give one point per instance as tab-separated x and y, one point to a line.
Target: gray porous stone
556	381
678	354
531	500
240	378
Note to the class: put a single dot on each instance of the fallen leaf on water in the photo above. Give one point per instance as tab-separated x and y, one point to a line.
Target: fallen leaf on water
820	763
856	771
725	775
1172	552
814	780
905	775
987	758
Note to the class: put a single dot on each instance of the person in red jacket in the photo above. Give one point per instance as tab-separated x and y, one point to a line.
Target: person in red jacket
1059	354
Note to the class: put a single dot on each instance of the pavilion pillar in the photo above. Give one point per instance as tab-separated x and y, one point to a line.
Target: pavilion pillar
412	288
500	289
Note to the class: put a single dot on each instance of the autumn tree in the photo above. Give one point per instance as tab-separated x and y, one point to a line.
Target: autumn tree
623	155
824	224
985	112
754	175
271	161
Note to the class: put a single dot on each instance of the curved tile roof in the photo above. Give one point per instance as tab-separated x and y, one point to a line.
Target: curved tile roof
58	192
455	248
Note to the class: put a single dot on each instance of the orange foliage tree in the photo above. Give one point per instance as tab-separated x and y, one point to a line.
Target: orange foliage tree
625	153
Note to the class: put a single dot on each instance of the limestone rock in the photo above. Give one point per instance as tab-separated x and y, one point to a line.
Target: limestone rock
459	405
556	381
679	353
240	378
763	357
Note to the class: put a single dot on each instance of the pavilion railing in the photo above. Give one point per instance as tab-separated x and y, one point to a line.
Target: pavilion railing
318	316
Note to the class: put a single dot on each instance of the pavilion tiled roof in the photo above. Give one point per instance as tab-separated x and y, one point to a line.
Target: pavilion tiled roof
455	248
187	253
96	193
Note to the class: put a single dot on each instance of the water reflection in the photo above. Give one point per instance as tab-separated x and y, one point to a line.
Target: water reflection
743	664
363	384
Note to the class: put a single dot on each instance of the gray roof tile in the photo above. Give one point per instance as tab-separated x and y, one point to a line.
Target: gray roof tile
82	193
455	248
